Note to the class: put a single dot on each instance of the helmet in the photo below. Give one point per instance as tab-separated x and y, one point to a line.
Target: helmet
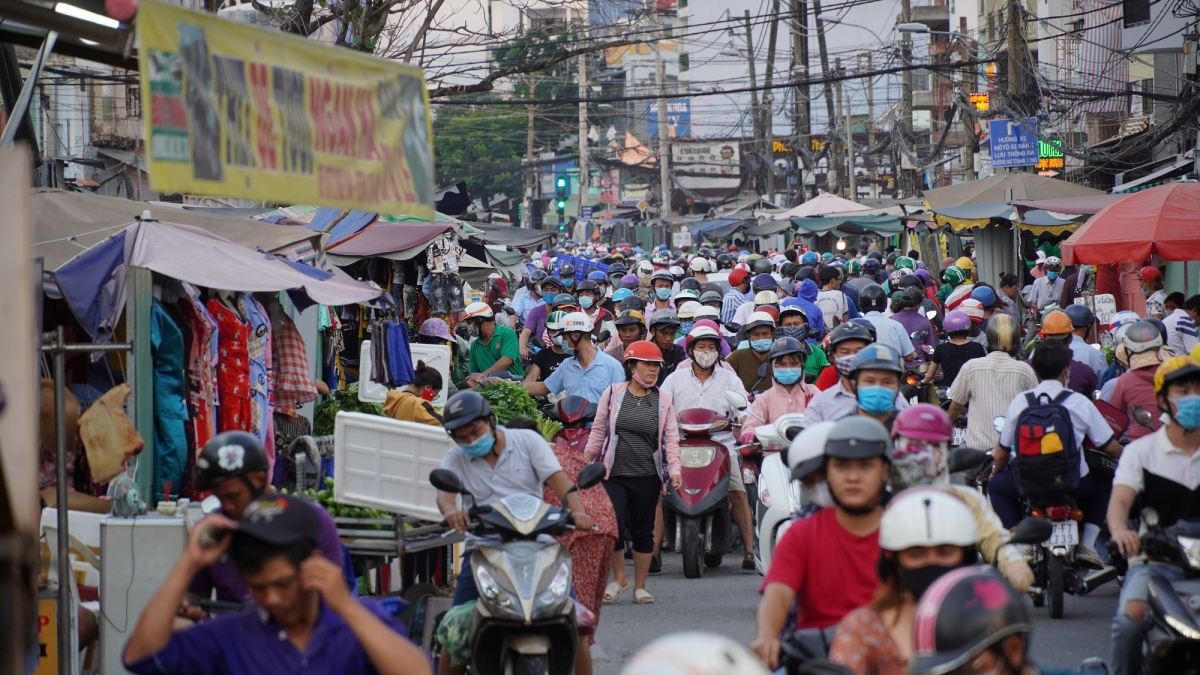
954	275
479	310
630	317
895	276
687	310
562	300
701	333
1124	318
1141	337
845	332
927	516
964	612
877	357
985	295
629	281
870	266
617	269
620	294
597	276
567	272
806	452
1056	323
853	267
1080	315
891	258
1003	333
535	277
972	308
664	317
910	281
228	455
858	437
690	284
464	408
578	322
866	323
710	296
810	258
964	263
758	320
698	264
905	263
725	261
644	269
956	322
762	266
792	306
826	256
712	266
875	255
676	272
785	345
913	297
706	312
871	298
588	285
662	275
1053	264
555	321
923	421
764	282
766	298
686	295
643	350
1174	369
1149	273
694	653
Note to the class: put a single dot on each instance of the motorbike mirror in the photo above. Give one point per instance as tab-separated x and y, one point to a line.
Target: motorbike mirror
446	481
931	314
1094	665
603	336
737	401
591	475
1143	417
732	327
764	371
919	334
1031	531
998	422
963	459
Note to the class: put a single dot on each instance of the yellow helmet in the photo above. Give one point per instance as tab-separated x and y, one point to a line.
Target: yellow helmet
1175	368
965	263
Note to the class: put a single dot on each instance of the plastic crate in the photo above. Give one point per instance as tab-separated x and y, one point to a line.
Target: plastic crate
583	266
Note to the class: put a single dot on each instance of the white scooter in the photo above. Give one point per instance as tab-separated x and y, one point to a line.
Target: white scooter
778	495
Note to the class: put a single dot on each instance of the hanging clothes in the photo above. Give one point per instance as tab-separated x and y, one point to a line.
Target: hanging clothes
170	394
233	368
259	351
398	355
201	370
293	385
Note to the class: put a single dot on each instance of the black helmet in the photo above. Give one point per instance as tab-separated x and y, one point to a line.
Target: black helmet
875	255
549	281
464	408
963	613
633	302
617	268
806	273
229	455
1080	315
891	258
724	262
872	298
536	276
587	285
877	357
787	345
910	281
630	317
690	283
845	332
865	323
763	266
912	297
870	266
567	270
665	317
788	270
710	296
704	253
858	437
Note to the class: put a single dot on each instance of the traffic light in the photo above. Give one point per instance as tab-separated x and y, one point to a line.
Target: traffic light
562	189
560	205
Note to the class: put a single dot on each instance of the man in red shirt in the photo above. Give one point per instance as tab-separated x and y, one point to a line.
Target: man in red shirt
826	563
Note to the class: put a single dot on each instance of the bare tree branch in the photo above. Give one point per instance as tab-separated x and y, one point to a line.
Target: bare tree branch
419	38
488	82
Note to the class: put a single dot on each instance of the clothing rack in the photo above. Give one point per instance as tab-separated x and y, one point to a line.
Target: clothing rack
54	344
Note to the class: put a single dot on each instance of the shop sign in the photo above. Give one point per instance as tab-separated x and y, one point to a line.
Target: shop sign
1050	155
979	100
243	112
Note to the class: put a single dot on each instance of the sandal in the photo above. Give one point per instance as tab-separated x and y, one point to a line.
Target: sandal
656	564
614	591
642	597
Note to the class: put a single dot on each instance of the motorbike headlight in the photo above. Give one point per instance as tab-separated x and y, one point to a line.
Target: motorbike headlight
499	600
794	492
549	600
764	496
1191	547
697	456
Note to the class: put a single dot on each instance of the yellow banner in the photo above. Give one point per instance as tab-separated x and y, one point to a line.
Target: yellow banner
239	111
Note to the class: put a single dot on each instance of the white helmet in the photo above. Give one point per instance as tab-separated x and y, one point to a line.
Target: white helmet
694	653
478	310
706	312
972	308
537	262
927	516
806	453
702	333
712	266
698	264
644	270
766	298
577	322
688	310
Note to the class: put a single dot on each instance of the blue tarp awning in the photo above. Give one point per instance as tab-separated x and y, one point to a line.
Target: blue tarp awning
718	228
881	223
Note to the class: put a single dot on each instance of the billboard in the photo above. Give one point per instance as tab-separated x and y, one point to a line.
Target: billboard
679	117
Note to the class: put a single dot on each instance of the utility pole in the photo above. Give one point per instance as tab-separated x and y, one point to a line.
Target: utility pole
768	109
755	111
837	97
870	127
835	169
850	148
584	178
530	174
906	100
664	149
1016	42
799	74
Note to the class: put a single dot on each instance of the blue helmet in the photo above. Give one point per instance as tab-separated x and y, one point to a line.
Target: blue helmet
985	296
597	275
810	258
620	294
877	357
870	266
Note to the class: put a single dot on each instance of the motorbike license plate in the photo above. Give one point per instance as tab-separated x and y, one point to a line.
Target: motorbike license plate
959	438
1064	534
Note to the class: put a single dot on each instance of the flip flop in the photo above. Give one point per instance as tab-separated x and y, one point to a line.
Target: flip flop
614	591
642	597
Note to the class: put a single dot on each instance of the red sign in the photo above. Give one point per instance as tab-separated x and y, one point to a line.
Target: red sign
610	187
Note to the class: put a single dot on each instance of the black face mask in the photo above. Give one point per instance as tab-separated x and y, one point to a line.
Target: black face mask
919	580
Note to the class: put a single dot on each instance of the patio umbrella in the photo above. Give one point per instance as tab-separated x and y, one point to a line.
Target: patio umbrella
1160	220
821	205
993	189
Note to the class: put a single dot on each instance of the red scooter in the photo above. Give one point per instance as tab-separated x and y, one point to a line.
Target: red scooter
696	516
575	413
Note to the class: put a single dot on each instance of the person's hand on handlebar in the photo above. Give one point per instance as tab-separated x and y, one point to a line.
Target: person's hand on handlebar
583	521
1127	541
460	520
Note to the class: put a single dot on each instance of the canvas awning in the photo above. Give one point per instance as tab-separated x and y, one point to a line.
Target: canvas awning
973	216
1077	206
383	239
821	205
718	228
883	223
768	228
506	235
994	189
1161	220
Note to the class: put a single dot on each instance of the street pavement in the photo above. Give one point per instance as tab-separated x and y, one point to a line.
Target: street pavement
725	600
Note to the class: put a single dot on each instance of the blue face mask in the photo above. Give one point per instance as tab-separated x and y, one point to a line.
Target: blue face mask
686	326
1187	412
788	376
761	346
568	282
876	400
586	302
1051	275
481	446
662	293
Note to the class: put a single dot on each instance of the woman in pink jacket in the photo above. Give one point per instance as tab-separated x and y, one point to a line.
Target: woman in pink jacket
636	436
789	393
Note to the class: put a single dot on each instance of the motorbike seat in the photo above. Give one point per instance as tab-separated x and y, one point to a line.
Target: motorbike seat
809	643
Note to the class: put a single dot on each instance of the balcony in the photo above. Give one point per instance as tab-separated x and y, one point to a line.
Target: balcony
937	17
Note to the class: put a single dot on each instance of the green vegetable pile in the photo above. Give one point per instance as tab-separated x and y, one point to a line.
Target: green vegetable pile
508	400
340	400
548	428
325	499
1110	354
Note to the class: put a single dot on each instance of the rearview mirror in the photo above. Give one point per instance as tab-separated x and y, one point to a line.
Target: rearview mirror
998	422
964	459
737	401
1143	417
603	336
1031	531
919	334
446	481
591	475
931	314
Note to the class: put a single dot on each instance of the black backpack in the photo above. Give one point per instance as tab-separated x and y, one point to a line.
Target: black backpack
1047	459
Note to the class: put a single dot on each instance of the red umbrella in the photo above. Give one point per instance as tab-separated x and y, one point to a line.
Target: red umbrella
1163	220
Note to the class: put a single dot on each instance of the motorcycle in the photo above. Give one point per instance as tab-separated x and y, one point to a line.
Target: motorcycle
575	414
524	622
696	516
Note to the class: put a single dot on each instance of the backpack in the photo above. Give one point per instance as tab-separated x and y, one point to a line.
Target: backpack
1047	459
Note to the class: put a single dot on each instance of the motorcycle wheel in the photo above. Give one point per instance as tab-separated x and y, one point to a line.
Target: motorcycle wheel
1055	578
690	547
528	664
713	560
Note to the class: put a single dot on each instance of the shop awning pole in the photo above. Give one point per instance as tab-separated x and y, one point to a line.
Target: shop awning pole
17	114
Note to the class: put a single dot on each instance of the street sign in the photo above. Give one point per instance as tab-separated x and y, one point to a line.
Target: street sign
1013	143
585	212
642	206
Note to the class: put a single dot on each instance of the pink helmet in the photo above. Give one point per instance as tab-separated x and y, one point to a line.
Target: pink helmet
923	421
956	322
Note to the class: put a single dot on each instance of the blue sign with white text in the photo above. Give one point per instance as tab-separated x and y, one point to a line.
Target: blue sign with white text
1013	143
679	117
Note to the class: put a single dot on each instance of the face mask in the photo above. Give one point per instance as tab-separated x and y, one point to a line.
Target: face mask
1051	275
662	293
919	580
568	282
844	364
428	394
797	332
557	340
821	496
481	446
705	360
917	462
638	378
1187	412
608	291
1145	293
788	376
586	302
686	326
876	400
761	346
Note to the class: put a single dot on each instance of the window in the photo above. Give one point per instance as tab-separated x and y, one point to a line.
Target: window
684	62
982	7
920	80
667	29
991	29
1137	12
133	100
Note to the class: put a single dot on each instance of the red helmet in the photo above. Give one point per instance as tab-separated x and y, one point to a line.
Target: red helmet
1149	273
923	421
644	351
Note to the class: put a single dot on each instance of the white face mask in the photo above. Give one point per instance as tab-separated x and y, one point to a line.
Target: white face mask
706	360
821	496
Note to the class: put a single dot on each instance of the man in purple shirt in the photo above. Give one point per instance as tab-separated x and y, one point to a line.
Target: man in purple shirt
305	619
535	322
233	467
913	320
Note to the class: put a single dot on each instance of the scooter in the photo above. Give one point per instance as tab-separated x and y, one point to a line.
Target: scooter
696	517
524	621
575	413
